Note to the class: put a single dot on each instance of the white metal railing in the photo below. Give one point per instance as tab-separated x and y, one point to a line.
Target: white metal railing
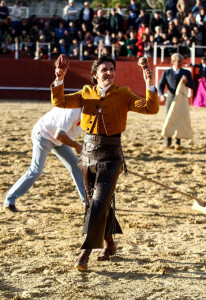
163	47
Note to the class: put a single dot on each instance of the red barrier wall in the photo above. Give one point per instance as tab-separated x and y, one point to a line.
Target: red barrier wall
40	74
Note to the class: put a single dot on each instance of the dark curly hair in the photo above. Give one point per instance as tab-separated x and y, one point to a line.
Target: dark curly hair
98	62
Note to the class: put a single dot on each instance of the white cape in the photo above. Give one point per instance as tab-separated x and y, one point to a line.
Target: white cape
177	123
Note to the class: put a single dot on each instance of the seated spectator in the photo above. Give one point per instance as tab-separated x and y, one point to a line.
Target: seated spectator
60	30
172	31
202	67
143	17
175	43
55	52
169	18
62	47
131	45
133	10
99	22
82	31
73	30
115	21
73	46
189	19
196	7
54	22
120	46
99	38
158	35
141	30
86	55
156	20
196	37
86	16
4	12
67	38
185	45
201	23
53	39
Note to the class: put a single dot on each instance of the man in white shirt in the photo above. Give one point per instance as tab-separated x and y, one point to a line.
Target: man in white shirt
54	132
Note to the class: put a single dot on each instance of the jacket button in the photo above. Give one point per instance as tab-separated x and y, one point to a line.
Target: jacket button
97	106
87	129
90	122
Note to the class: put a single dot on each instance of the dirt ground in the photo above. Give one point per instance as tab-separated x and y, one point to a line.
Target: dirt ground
161	254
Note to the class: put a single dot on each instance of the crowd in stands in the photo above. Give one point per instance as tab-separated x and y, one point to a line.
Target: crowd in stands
131	30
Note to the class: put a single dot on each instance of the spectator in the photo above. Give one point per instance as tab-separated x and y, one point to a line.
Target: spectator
133	10
120	46
99	38
189	19
143	17
175	43
172	31
54	22
99	22
60	30
119	10
196	37
169	18
202	67
73	30
4	12
62	46
131	45
70	12
196	8
141	30
184	6
86	16
156	20
67	38
201	23
73	46
16	15
140	45
82	31
55	52
99	6
115	21
171	5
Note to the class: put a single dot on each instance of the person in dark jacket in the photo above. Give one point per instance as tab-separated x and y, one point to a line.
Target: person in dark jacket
86	16
171	78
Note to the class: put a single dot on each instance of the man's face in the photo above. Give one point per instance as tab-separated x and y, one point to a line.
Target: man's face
105	74
177	64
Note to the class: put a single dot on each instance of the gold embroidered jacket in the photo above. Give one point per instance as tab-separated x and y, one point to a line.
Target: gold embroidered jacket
114	106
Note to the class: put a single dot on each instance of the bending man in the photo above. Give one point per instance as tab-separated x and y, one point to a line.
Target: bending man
53	132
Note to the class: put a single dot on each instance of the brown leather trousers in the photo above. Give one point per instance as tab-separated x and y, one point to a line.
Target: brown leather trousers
101	162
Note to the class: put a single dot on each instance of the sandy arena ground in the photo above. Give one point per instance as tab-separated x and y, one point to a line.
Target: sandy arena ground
161	254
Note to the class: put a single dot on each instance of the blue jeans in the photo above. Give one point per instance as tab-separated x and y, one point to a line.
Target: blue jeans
41	149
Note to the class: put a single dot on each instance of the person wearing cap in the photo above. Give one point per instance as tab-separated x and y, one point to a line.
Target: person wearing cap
171	78
70	12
